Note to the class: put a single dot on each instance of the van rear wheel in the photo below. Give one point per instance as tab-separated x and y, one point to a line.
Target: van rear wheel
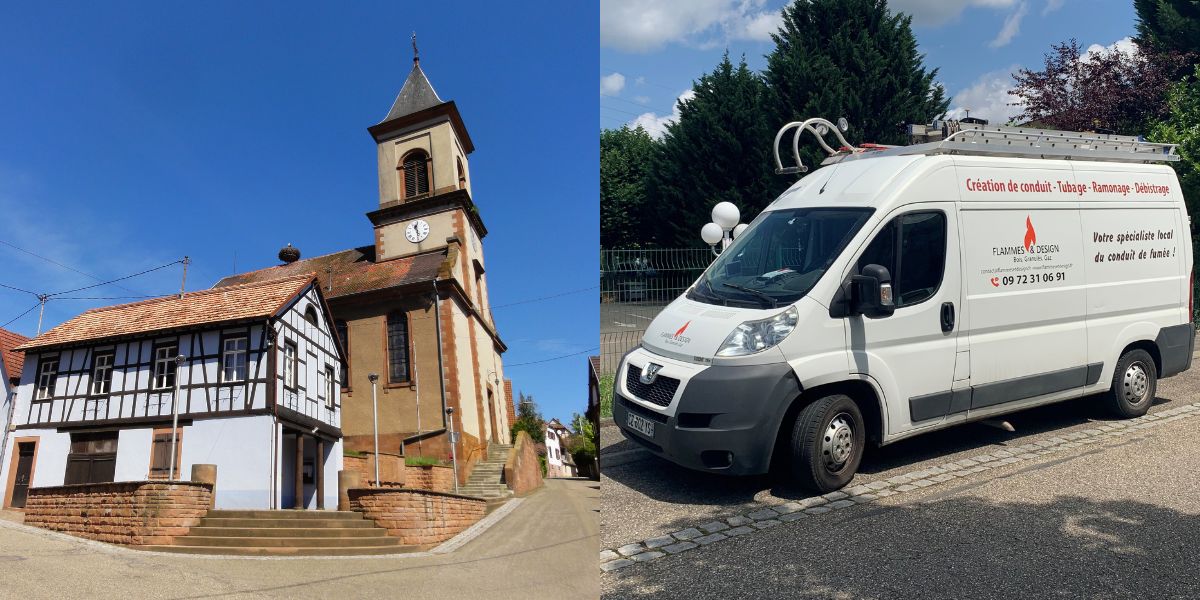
1134	384
827	443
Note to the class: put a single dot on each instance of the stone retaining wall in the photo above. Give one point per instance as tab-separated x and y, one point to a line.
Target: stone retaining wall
523	471
126	512
432	478
417	517
392	471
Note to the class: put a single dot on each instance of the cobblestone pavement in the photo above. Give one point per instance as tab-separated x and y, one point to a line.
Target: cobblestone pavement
553	531
694	515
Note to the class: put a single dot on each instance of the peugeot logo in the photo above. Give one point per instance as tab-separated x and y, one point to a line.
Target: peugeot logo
650	373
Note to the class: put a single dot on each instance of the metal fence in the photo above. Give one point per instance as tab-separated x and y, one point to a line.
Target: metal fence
634	286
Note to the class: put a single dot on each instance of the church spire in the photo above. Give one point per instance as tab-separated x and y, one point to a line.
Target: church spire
417	93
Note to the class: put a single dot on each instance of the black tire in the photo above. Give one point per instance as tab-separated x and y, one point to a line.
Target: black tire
1134	384
814	435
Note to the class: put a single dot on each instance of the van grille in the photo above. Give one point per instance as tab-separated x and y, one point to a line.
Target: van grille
661	392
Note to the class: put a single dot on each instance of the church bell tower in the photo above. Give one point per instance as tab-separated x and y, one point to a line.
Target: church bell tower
424	175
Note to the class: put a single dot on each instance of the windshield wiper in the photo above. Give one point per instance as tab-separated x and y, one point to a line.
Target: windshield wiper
770	301
711	294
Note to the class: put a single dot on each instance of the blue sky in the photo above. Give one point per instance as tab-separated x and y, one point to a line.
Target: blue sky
652	50
134	133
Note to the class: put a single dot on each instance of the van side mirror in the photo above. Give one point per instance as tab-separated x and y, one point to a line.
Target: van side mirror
871	292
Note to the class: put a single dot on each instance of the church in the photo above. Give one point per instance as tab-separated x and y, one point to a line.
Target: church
412	307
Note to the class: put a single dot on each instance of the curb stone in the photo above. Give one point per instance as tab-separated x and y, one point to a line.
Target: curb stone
774	515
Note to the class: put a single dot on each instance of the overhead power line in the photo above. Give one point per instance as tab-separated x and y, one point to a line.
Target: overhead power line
31	308
55	262
19	289
559	295
626	111
88	287
534	362
110	297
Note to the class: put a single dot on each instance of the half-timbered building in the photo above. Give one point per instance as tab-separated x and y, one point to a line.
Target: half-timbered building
250	374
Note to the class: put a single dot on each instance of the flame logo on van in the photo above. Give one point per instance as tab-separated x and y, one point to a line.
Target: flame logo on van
1030	234
682	329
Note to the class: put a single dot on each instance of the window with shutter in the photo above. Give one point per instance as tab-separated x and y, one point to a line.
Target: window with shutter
160	453
93	458
397	348
415	170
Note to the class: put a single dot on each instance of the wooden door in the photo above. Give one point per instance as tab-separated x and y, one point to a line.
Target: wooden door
24	474
495	437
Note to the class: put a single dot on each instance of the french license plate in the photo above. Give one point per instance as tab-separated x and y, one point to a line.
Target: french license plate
640	424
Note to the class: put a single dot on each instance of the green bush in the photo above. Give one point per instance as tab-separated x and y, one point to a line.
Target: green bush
606	395
423	461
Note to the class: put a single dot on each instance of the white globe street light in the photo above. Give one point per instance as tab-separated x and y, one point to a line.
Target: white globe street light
724	228
711	234
726	215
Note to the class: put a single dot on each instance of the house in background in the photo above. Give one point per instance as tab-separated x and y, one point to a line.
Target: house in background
593	409
255	368
558	459
10	376
413	306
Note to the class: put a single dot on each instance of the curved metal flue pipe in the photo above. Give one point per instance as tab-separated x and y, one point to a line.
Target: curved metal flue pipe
802	126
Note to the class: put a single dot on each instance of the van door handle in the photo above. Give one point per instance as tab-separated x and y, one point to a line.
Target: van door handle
947	316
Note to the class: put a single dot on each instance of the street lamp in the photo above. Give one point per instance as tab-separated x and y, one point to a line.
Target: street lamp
724	227
453	442
375	422
179	358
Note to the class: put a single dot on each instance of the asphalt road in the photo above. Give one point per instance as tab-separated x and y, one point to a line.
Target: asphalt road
544	548
1112	519
628	316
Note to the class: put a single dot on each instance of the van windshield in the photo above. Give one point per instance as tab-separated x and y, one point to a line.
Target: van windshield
780	257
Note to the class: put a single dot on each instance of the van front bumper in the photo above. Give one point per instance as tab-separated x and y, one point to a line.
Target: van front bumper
722	419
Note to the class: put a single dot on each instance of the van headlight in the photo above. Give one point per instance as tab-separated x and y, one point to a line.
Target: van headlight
756	336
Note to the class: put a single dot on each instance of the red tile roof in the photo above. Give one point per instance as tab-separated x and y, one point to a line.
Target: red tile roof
351	271
13	361
218	305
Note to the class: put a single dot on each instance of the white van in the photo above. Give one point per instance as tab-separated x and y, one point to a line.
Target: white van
907	289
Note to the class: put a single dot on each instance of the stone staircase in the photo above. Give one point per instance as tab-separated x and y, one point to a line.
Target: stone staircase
285	533
486	481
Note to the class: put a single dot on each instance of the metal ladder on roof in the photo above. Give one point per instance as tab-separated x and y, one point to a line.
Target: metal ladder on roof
954	137
994	140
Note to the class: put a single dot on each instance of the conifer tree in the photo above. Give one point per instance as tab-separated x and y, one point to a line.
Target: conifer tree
853	59
1168	26
625	156
718	150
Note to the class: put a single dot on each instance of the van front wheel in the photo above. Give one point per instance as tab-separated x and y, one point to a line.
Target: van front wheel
827	443
1134	384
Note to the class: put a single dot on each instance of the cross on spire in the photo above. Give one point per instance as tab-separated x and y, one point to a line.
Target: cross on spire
416	56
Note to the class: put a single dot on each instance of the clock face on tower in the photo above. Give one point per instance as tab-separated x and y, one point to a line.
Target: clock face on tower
416	231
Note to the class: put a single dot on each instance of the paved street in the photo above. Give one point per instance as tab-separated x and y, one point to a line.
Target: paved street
628	316
547	546
1072	504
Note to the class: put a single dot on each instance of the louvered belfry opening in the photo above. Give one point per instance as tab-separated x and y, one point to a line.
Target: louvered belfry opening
416	174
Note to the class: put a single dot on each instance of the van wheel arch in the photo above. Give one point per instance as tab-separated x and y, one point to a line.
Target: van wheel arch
1150	347
861	391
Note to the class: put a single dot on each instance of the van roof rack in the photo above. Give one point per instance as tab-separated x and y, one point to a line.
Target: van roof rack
996	140
980	139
